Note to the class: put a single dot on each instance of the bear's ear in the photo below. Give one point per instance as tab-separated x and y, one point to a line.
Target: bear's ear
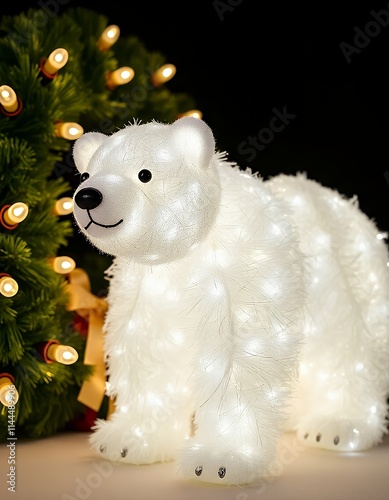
84	147
192	138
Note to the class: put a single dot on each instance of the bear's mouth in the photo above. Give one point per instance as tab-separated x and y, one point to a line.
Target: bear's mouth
91	221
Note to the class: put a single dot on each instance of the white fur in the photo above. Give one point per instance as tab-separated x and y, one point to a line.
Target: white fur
238	308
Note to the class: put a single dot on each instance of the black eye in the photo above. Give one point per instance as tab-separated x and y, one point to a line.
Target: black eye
84	176
145	175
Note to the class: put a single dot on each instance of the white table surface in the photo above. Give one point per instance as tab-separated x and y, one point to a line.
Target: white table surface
63	467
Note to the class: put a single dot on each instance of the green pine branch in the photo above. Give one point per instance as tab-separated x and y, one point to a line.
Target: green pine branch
36	168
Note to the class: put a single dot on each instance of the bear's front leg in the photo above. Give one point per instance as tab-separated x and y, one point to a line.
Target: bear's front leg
132	437
245	364
146	373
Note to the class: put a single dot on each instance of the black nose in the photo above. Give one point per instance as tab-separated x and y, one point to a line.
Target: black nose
88	198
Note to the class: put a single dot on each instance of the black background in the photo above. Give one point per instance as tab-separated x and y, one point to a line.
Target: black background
240	60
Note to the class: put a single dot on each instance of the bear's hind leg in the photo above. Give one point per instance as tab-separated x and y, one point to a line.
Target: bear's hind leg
344	382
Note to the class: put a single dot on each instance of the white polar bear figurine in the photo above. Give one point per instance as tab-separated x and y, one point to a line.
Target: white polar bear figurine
238	308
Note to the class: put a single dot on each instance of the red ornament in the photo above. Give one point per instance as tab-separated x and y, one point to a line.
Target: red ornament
85	422
80	325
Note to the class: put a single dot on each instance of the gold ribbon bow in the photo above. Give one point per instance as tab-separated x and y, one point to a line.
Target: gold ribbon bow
92	309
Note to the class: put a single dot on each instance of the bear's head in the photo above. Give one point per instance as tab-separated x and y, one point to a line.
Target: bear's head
149	192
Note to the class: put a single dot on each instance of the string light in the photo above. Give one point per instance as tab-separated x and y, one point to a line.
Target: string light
12	215
56	61
62	265
63	206
9	395
16	213
8	100
8	286
108	37
119	77
64	354
193	112
68	130
163	74
52	351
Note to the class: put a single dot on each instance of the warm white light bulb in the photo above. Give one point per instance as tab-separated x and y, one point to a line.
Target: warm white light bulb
68	130
66	265
9	396
163	74
111	33
125	75
108	37
16	213
64	354
193	112
8	98
63	264
64	206
8	286
56	60
120	76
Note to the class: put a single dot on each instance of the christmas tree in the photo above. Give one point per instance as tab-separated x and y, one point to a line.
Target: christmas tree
57	80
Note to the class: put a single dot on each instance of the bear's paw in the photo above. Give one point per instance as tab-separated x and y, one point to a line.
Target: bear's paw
130	443
216	462
338	433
